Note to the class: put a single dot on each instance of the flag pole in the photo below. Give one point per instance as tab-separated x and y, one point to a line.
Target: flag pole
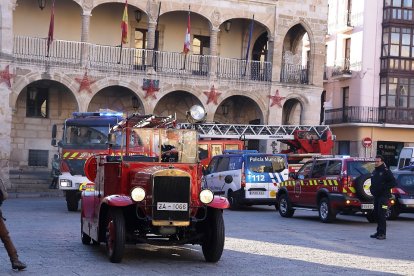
248	45
155	38
124	28
187	36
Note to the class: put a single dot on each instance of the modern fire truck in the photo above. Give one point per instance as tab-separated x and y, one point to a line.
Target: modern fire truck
84	134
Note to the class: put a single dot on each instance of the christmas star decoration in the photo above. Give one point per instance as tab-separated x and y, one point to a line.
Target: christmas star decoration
212	95
150	86
5	76
85	83
276	99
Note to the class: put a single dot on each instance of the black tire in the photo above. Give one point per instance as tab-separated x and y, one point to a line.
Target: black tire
362	185
285	207
86	239
115	235
72	201
326	212
371	217
392	212
213	241
234	205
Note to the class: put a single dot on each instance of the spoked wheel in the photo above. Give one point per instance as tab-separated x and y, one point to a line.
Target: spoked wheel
326	212
285	208
213	242
115	235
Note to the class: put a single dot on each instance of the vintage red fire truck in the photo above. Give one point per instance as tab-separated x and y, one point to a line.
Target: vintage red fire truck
151	192
84	134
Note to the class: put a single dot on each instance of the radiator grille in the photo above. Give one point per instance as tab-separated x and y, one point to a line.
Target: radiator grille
171	189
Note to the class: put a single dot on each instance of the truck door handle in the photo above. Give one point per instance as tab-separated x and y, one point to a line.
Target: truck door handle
320	181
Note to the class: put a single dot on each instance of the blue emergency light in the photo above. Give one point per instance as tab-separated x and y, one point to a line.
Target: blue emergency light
89	114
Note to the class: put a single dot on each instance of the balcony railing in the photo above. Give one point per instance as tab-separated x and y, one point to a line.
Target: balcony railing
367	114
72	54
292	73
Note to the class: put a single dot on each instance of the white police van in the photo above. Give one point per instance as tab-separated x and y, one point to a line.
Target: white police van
246	177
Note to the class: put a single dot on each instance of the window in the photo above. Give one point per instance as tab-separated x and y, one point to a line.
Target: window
319	168
201	45
347	54
305	171
38	158
37	102
397	92
223	164
141	38
334	167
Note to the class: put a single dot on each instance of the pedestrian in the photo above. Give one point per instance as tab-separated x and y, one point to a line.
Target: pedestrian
55	171
382	180
5	237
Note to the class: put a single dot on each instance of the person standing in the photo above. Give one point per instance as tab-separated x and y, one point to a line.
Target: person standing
382	180
5	237
55	171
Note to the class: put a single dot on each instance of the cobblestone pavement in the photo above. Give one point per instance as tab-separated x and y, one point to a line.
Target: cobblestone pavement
258	242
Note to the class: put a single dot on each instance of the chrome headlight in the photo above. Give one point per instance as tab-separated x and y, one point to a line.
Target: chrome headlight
138	194
206	196
65	183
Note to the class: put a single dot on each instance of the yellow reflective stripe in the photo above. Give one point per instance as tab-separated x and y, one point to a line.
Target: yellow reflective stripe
335	182
384	207
73	155
330	182
65	154
352	189
344	190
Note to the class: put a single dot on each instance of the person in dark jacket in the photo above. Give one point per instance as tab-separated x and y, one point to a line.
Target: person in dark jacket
382	180
8	244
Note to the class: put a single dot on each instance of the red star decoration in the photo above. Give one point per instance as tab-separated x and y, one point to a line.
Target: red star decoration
5	76
85	83
212	95
151	89
276	99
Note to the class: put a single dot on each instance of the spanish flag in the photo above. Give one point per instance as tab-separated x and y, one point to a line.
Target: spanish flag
124	24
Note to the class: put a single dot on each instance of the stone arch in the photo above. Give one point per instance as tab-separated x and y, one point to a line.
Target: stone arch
293	109
176	102
239	109
142	5
32	77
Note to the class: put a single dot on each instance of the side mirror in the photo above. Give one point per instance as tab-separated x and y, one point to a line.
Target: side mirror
54	131
53	143
228	179
293	175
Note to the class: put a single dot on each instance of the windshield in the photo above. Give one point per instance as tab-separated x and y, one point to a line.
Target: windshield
172	145
406	182
86	135
357	168
268	163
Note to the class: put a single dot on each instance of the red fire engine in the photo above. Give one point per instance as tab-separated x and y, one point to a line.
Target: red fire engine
151	192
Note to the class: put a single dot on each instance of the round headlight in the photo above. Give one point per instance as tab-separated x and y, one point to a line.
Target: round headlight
206	196
138	194
197	112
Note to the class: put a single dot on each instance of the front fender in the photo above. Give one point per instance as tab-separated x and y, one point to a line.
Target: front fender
118	200
219	202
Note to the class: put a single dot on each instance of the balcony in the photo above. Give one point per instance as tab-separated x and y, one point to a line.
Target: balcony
369	115
342	69
78	55
292	73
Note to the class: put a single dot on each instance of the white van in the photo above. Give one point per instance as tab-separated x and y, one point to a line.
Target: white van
246	177
406	157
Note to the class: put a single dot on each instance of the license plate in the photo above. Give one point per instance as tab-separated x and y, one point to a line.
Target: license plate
172	206
256	192
367	206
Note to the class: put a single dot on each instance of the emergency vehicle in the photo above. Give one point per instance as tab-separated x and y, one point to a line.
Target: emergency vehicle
83	135
207	149
151	192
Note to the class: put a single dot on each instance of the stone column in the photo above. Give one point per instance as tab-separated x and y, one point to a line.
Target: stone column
213	52
150	46
6	28
86	18
270	49
5	130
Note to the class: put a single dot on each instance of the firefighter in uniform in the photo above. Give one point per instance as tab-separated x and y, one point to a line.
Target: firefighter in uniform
382	180
5	238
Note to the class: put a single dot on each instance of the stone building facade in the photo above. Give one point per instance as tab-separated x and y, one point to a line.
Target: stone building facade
254	55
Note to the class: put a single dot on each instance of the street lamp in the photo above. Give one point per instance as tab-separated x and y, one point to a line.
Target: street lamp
138	15
225	109
42	4
135	102
227	25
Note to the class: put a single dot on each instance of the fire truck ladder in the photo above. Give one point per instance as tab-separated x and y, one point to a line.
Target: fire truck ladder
258	132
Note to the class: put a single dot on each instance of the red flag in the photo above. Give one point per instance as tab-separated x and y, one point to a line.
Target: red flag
51	27
124	24
187	36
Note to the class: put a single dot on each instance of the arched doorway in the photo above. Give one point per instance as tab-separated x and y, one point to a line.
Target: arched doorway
178	103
